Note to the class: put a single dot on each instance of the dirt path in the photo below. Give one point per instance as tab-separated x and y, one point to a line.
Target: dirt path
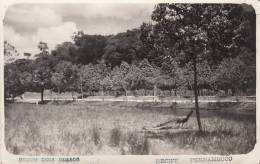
205	99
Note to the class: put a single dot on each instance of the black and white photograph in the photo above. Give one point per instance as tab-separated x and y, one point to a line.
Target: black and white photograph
94	79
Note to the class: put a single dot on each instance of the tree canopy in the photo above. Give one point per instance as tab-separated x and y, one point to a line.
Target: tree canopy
214	42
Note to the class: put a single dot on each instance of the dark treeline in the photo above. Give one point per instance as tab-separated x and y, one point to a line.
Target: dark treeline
209	48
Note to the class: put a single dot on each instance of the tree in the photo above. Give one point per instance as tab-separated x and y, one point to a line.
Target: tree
90	48
81	74
17	78
205	76
10	52
88	78
173	75
12	84
64	76
193	33
149	76
119	77
66	51
248	80
107	83
42	77
57	80
122	47
235	74
43	47
42	69
27	55
103	73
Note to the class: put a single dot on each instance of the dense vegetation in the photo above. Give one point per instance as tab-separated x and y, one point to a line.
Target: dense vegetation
220	37
186	47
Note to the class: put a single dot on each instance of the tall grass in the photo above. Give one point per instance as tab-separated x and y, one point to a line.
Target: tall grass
115	137
136	143
218	137
97	137
69	130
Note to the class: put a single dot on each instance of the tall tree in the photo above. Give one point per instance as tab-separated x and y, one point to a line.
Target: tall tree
122	47
193	33
90	48
42	69
66	51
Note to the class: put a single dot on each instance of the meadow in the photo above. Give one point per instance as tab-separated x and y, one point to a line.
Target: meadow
115	128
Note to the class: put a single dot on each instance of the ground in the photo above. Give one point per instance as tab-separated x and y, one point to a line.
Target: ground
98	128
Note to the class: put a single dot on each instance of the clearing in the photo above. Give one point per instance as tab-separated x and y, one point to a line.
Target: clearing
97	128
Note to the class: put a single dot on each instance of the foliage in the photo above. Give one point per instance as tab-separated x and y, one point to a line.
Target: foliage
17	78
64	75
160	55
90	48
42	70
66	51
10	52
192	34
43	47
122	47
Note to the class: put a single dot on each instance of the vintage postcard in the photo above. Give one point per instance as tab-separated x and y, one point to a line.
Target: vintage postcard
149	82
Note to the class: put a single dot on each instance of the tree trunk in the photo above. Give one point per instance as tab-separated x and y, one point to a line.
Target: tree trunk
233	91
102	92
126	92
42	91
81	91
51	95
196	94
154	90
171	92
72	94
175	92
145	92
226	92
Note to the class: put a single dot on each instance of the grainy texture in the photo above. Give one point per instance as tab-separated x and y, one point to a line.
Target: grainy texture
116	128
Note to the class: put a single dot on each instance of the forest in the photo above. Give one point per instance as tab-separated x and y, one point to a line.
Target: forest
215	43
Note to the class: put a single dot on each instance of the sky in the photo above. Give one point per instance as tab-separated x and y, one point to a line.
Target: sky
25	25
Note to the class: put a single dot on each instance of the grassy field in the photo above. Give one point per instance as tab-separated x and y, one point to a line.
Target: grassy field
112	128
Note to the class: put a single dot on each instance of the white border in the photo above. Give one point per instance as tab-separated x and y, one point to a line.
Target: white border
251	158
